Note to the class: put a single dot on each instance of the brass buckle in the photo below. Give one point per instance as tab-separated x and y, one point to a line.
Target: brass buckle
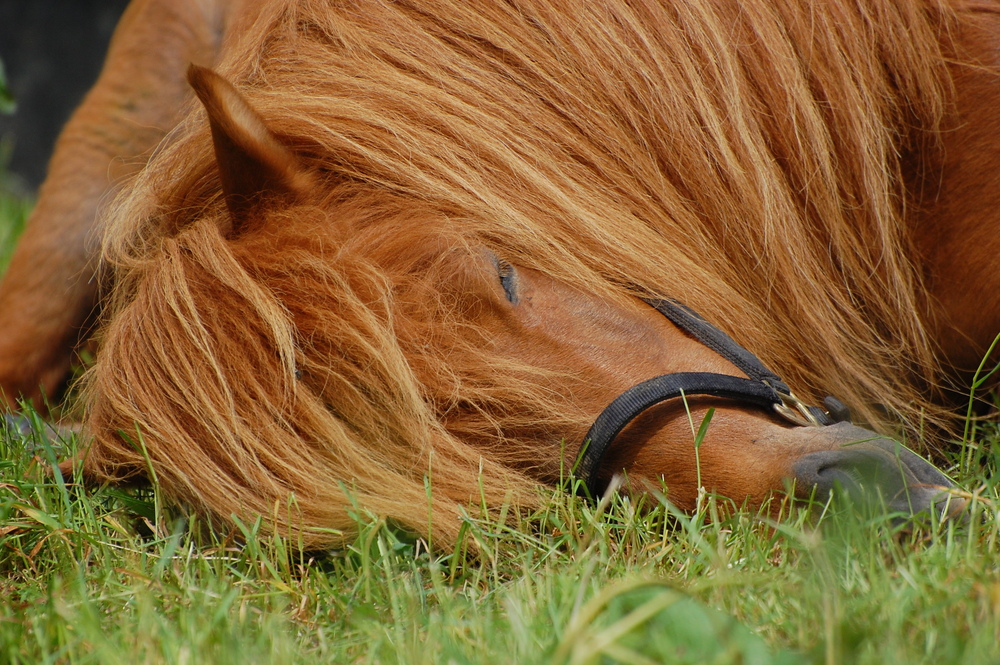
796	411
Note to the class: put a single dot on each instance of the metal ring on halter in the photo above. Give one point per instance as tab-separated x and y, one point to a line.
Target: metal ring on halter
794	410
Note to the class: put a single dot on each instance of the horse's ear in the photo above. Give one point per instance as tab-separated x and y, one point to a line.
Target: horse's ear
253	164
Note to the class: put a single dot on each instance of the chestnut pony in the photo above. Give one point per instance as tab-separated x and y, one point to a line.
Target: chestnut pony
396	252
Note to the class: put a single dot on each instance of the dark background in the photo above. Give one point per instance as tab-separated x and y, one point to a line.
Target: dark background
52	51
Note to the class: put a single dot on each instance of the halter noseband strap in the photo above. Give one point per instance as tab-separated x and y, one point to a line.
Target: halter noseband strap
763	388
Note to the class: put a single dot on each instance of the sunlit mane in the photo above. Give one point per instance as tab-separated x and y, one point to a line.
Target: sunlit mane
746	163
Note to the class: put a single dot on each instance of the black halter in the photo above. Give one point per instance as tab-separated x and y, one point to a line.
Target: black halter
763	388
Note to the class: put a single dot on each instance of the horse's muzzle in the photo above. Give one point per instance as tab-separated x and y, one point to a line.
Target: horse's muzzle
875	470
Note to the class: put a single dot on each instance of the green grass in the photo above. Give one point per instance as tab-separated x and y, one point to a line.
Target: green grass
13	213
115	577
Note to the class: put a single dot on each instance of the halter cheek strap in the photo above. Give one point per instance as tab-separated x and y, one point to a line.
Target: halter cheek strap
763	388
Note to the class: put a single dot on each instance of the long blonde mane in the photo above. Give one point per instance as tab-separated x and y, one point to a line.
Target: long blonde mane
749	158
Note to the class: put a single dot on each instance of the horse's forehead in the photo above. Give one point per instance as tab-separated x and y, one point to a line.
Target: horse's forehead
389	235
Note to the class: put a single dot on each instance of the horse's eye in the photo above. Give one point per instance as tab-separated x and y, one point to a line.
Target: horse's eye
508	280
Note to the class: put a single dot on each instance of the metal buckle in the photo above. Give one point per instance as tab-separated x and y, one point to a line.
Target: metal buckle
796	411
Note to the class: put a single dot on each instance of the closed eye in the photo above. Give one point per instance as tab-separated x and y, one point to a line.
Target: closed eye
508	280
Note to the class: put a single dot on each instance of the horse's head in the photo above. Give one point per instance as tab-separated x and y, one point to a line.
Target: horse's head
306	336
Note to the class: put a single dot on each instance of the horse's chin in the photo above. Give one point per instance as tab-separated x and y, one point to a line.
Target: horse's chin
876	471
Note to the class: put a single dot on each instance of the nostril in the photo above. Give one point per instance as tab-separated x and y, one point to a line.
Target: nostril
831	474
819	473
